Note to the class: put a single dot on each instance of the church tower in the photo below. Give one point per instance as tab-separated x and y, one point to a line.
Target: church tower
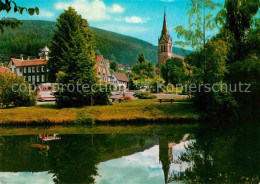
164	44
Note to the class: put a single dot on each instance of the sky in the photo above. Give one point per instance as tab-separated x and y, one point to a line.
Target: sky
141	19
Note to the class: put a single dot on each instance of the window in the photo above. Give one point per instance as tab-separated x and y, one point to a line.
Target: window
42	68
24	78
14	70
33	69
164	48
38	78
29	70
161	48
42	78
33	79
29	78
38	69
24	70
21	70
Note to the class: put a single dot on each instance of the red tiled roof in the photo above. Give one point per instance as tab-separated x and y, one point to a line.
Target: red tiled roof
4	70
121	76
31	62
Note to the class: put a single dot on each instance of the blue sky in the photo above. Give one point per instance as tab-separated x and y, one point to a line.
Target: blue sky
137	18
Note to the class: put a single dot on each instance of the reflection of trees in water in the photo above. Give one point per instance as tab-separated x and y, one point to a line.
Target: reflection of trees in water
223	156
73	158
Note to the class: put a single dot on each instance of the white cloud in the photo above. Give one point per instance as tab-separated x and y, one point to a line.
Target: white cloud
116	9
136	19
91	9
47	14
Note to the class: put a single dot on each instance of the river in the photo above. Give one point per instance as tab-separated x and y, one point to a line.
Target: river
160	154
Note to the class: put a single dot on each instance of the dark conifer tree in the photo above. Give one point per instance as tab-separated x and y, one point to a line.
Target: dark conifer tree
72	59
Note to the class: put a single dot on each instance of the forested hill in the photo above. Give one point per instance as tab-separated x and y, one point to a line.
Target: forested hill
35	34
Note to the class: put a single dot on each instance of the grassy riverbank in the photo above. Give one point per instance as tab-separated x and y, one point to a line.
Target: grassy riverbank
138	111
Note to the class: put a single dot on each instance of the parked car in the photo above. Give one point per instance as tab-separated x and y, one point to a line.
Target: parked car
46	92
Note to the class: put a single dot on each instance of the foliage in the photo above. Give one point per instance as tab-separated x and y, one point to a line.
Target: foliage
101	95
141	58
201	20
7	6
239	16
14	90
221	156
145	95
143	69
114	66
219	105
156	85
173	71
72	57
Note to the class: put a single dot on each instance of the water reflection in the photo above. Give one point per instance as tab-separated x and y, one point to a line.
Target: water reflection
191	157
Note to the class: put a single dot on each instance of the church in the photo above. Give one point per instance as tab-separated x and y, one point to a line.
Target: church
165	45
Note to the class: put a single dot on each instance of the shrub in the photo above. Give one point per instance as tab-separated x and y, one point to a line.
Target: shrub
145	95
13	94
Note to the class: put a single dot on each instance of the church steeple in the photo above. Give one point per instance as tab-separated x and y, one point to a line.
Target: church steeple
165	29
164	43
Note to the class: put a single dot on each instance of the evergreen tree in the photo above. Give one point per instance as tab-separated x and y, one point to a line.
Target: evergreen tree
72	59
141	58
114	66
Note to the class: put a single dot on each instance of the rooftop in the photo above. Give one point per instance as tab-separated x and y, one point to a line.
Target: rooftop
31	62
121	76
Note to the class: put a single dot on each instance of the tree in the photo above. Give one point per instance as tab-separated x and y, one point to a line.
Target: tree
7	6
173	71
14	90
73	59
114	66
201	22
142	68
141	58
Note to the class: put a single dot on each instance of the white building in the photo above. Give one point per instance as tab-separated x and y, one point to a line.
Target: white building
119	80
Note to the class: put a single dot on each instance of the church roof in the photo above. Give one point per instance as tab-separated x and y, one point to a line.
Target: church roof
165	34
165	29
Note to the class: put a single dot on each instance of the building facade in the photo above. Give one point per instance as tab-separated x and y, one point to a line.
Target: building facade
165	45
34	71
102	69
119	80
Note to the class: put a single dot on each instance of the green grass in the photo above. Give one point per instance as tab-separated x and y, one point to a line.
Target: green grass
99	129
137	111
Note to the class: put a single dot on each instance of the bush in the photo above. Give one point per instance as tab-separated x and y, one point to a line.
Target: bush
13	94
145	95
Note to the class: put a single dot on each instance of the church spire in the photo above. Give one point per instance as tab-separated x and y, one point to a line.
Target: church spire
165	29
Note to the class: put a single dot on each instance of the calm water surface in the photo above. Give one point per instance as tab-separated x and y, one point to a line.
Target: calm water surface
186	156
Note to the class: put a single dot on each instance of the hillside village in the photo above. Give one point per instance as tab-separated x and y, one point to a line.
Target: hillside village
35	71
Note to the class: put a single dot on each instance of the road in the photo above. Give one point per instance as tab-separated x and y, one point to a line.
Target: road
159	95
128	94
